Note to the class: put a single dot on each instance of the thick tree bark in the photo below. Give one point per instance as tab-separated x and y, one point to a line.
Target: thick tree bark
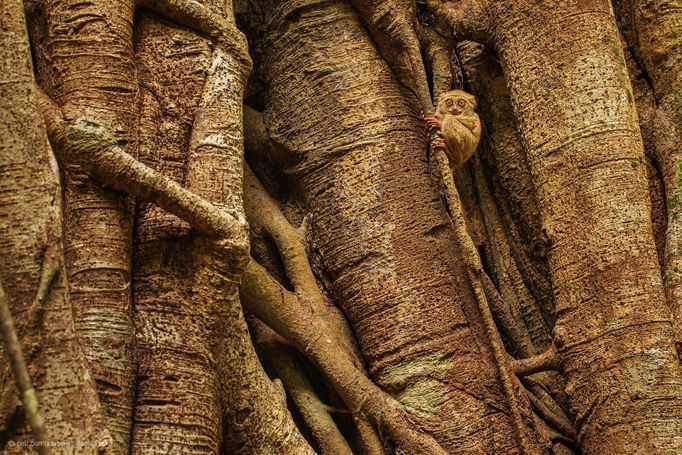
613	330
171	378
31	261
385	240
89	49
651	29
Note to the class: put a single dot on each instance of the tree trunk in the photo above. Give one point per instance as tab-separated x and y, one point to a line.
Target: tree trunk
31	263
651	29
613	330
511	304
92	74
384	237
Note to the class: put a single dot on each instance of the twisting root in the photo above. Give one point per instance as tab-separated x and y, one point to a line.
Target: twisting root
316	414
302	319
90	146
526	435
263	213
547	361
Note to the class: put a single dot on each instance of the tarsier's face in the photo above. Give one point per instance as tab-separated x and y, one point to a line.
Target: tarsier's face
455	102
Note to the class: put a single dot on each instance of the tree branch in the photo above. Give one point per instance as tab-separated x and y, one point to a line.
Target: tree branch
91	147
21	375
547	361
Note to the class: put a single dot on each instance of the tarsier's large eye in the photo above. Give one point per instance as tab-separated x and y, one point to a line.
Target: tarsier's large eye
461	103
448	103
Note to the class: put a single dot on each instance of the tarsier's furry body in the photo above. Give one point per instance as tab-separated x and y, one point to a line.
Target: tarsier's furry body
458	125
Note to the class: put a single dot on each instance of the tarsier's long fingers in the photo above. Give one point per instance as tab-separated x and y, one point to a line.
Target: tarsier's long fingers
432	124
438	142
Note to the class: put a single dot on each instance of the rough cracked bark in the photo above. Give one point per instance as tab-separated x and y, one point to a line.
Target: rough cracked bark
652	31
89	146
30	231
355	149
393	26
613	330
343	108
223	393
91	72
161	246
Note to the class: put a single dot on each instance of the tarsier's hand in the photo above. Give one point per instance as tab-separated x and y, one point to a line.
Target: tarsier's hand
458	125
432	123
438	141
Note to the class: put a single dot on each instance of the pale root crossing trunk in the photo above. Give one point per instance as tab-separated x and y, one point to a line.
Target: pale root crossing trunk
201	385
175	405
89	50
31	256
357	151
565	69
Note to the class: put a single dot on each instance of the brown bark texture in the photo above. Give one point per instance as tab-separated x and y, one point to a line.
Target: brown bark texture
651	32
393	270
226	229
89	49
31	263
613	330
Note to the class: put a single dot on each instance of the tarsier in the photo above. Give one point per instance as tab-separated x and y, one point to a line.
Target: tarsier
457	124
